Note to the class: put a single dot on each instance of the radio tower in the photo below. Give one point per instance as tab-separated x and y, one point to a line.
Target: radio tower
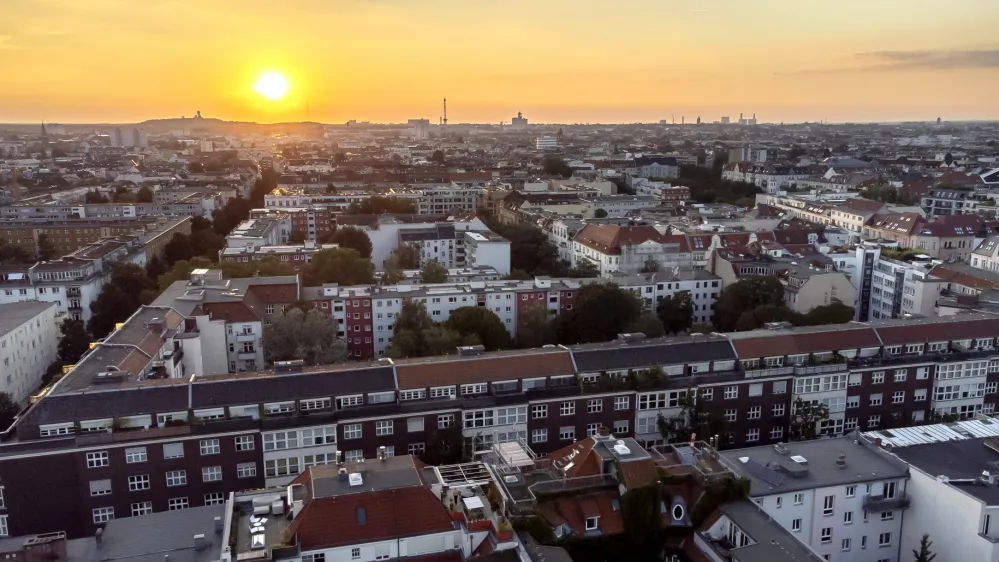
445	112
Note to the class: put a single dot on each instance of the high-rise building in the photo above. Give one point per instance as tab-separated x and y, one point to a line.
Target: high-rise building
519	120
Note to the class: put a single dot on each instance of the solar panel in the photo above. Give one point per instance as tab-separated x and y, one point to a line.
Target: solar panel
757	470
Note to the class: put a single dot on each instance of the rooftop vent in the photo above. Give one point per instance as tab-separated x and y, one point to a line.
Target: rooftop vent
799	459
355	479
781	449
841	460
466	350
633	336
621	449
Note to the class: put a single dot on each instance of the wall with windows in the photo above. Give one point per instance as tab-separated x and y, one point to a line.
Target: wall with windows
391	550
288	453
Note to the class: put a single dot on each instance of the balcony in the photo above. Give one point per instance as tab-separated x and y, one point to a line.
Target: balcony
769	372
881	503
73	292
246	355
820	369
245	337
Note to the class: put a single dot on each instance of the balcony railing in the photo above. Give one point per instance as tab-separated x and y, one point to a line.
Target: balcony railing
769	372
818	369
881	503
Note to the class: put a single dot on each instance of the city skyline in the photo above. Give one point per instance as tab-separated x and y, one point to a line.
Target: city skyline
560	62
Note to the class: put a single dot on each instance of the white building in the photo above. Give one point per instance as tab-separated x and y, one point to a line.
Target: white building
444	200
486	248
843	499
29	343
652	288
546	142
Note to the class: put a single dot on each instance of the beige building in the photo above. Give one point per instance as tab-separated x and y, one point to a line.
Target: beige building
808	282
949	237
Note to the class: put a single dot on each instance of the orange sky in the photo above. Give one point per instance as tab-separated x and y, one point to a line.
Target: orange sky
556	60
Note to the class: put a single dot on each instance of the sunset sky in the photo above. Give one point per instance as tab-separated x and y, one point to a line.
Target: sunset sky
566	61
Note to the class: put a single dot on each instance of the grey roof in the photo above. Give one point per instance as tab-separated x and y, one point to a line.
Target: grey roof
250	389
620	354
773	542
772	472
964	459
15	314
147	538
391	473
61	408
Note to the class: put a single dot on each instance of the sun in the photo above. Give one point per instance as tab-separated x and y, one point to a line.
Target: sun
271	85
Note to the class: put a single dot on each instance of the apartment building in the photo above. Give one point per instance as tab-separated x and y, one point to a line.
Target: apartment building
619	205
314	222
946	237
70	235
190	205
771	178
844	499
652	288
295	255
446	199
941	201
903	288
29	341
253	234
627	249
157	420
809	281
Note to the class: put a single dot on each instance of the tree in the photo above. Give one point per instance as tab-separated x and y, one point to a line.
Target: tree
155	267
144	195
535	327
178	249
416	335
353	238
196	167
696	416
58	152
297	237
433	272
555	166
393	272
95	196
600	312
46	249
228	217
744	296
307	335
833	313
271	266
127	290
444	446
482	323
181	271
339	265
651	265
796	152
8	410
206	243
584	269
530	249
676	312
439	340
437	157
13	254
806	418
408	256
378	205
75	341
599	214
647	324
948	158
924	554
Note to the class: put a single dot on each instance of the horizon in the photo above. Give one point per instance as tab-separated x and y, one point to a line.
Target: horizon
386	61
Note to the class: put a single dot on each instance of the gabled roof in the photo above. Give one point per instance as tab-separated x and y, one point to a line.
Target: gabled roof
620	354
574	510
948	328
800	341
608	238
494	367
949	226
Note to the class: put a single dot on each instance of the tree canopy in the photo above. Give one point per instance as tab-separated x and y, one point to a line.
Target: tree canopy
13	254
743	297
433	272
482	323
127	290
178	249
340	265
707	186
599	313
807	418
416	334
46	249
378	205
307	335
354	239
530	249
8	410
555	166
75	341
297	236
535	326
676	312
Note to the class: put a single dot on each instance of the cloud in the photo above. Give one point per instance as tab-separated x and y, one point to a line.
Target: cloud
934	60
6	45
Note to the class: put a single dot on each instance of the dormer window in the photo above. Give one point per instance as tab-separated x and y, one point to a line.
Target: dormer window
592	523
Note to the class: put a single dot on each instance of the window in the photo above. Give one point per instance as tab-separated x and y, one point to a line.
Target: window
877	377
211	473
352	431
244	443
780	387
103	514
281	467
567	433
539	436
442	392
826	535
467	389
754	412
539	411
620	427
416	448
215	498
796	525
246	470
280	440
142	508
411	394
386	427
355	553
445	421
592	523
414	425
887	515
778	410
353	456
567	408
731	414
176	478
95	460
135	455
314	404
731	392
138	482
621	403
863	541
594	405
753	434
851	491
173	504
848	518
899	375
827	505
776	433
357	400
845	545
876	399
780	502
100	487
898	397
592	429
873	422
884	539
210	447
799	499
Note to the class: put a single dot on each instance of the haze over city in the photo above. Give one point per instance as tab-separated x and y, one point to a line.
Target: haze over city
558	61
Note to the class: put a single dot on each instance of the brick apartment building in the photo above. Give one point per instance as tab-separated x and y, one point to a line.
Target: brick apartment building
69	235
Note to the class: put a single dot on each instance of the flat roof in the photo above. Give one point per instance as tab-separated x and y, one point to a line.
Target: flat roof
15	314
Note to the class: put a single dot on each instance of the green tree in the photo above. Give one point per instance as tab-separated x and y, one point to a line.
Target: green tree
8	410
379	205
155	267
535	327
75	341
353	238
408	256
13	254
178	249
228	217
530	249
272	266
744	296
444	446
833	313
392	273
433	272
297	237
600	312
340	265
144	195
924	554
651	265
585	269
196	167
127	290
439	340
482	323
763	314
648	324
437	157
307	335
46	249
806	418
795	152
181	271
676	312
58	152
696	416
599	214
948	158
206	243
555	166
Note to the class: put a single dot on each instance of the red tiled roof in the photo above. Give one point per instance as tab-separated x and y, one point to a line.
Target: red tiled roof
954	225
573	511
608	238
961	328
584	461
638	473
860	204
799	343
388	514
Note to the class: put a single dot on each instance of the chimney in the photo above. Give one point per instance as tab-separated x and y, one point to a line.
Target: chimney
200	543
841	460
218	525
99	536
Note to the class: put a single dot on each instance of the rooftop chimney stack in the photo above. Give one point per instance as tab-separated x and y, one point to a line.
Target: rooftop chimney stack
200	543
99	536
